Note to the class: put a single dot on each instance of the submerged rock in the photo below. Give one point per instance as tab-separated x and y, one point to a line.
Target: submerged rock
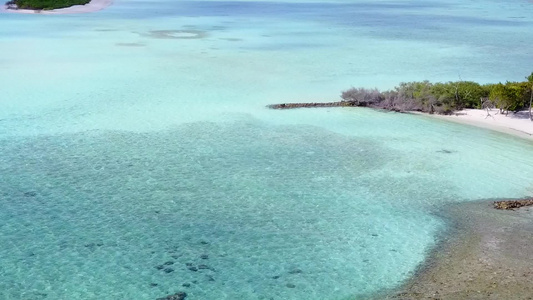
30	194
512	204
176	296
204	256
295	271
193	268
169	270
445	151
168	263
203	267
290	285
92	245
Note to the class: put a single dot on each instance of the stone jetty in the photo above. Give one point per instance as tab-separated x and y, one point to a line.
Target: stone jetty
312	104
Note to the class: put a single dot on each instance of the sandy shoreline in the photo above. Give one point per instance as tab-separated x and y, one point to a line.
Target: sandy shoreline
486	256
94	5
515	124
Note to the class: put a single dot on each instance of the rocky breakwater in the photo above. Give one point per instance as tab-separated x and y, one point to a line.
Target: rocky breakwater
312	104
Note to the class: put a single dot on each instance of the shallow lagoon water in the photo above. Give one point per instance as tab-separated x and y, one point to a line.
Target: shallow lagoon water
138	135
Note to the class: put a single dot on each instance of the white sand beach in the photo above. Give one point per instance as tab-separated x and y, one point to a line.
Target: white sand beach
94	5
517	124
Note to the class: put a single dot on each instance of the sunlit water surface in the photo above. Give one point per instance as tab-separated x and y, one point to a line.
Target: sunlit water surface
137	158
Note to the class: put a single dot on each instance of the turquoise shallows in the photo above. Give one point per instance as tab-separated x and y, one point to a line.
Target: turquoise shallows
136	154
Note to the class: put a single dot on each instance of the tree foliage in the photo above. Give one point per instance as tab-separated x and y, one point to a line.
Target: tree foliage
530	81
46	4
444	97
511	96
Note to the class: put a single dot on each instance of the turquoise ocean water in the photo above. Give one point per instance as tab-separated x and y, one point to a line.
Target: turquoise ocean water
136	154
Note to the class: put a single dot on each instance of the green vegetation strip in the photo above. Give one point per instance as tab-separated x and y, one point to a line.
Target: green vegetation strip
445	98
45	4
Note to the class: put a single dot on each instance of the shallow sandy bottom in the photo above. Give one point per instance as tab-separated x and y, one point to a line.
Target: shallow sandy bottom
487	257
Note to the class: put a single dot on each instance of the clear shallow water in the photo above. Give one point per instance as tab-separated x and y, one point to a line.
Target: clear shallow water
125	146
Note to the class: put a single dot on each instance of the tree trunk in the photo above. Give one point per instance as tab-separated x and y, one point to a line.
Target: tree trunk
530	101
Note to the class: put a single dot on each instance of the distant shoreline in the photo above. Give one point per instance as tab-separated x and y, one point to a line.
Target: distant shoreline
94	5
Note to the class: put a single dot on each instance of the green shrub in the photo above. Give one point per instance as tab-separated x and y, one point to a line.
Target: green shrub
444	98
511	96
47	4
